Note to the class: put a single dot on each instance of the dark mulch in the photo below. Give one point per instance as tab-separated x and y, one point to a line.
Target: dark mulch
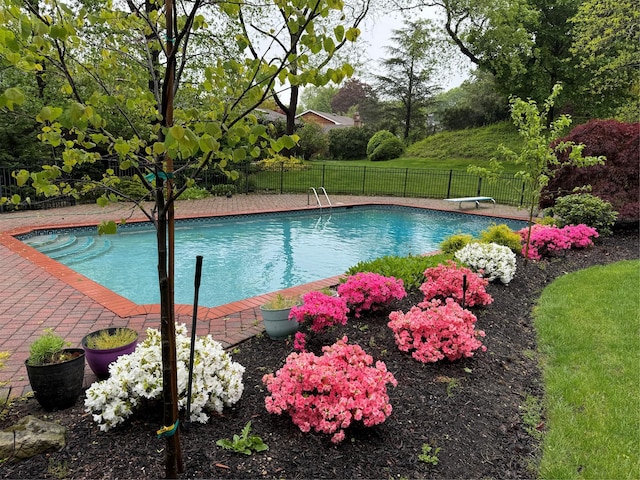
470	409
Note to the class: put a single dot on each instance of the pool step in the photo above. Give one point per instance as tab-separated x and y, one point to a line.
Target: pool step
69	249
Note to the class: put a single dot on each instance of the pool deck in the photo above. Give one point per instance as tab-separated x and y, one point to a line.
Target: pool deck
37	292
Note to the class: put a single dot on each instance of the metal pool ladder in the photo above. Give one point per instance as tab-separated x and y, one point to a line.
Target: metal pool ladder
315	193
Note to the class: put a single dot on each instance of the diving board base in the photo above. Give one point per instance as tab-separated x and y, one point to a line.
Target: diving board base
475	200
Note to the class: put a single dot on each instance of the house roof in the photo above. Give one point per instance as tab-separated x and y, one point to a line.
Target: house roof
270	115
335	119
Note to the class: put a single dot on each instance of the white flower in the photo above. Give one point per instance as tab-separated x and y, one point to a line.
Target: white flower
216	382
493	261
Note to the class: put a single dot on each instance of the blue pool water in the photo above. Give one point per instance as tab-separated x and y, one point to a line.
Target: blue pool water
250	255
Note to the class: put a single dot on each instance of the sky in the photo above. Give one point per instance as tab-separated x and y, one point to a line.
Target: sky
377	33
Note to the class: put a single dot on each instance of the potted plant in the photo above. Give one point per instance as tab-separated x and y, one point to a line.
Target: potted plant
103	347
56	373
275	315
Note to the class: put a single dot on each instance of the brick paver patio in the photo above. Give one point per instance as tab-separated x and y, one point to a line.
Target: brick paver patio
37	292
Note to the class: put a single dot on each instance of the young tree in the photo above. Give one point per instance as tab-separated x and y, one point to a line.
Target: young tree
127	90
409	70
307	35
538	158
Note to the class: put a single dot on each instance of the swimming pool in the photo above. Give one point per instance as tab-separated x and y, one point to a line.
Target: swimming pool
249	255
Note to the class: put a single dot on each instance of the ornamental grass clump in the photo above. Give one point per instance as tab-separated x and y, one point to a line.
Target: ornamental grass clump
547	240
136	377
366	291
318	313
492	261
327	393
436	331
447	281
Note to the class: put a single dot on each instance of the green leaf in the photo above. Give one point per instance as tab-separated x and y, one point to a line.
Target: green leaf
107	228
339	32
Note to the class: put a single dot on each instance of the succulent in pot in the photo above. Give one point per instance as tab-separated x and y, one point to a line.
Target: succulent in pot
275	316
55	371
104	346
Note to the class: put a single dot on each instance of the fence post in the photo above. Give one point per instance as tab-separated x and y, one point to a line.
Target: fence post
323	169
479	186
522	195
449	184
406	178
281	178
364	175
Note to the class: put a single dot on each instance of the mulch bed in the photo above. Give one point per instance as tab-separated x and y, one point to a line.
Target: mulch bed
470	409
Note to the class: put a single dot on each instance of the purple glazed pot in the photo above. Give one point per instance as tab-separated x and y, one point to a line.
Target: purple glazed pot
100	359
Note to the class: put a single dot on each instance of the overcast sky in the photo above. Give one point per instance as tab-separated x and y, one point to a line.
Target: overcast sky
377	34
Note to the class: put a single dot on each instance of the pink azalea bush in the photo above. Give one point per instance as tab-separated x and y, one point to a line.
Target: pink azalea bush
317	313
546	240
439	331
370	291
327	393
446	281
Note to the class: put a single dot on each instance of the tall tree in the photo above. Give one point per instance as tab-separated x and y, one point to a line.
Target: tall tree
134	95
307	35
409	70
318	98
606	38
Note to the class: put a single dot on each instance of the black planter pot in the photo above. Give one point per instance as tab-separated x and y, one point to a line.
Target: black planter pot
58	385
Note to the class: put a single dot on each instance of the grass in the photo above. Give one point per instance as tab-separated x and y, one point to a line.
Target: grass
588	326
454	150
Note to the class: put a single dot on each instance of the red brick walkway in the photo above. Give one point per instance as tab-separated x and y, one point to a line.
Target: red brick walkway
37	292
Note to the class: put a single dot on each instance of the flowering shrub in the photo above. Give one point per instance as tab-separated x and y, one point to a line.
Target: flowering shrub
446	281
217	380
329	392
370	291
546	240
438	331
493	261
318	312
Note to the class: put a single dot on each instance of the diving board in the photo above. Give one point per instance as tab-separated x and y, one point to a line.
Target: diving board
476	200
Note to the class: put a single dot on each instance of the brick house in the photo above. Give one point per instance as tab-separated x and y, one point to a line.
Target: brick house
328	121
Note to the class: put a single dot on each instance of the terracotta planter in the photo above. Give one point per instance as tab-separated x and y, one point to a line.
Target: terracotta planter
277	323
100	359
57	386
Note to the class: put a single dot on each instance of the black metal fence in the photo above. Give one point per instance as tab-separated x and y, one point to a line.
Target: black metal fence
335	179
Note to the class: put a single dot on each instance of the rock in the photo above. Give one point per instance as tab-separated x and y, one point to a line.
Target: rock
29	437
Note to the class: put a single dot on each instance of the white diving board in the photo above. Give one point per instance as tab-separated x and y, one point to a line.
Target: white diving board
475	200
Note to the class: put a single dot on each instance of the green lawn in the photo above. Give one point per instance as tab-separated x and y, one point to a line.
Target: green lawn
588	326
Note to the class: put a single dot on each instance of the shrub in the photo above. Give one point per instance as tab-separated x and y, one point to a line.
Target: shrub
446	281
223	190
491	260
317	313
217	381
194	193
586	209
617	181
349	143
133	188
409	269
328	393
548	239
387	150
370	291
439	331
502	235
376	140
280	162
453	243
313	141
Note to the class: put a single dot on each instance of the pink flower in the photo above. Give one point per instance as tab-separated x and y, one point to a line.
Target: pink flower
329	392
440	331
446	281
545	240
370	291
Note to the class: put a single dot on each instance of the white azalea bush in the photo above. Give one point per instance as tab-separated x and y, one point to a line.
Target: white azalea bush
492	260
217	380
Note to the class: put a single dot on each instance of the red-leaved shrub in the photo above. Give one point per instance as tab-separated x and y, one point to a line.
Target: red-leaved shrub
617	180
